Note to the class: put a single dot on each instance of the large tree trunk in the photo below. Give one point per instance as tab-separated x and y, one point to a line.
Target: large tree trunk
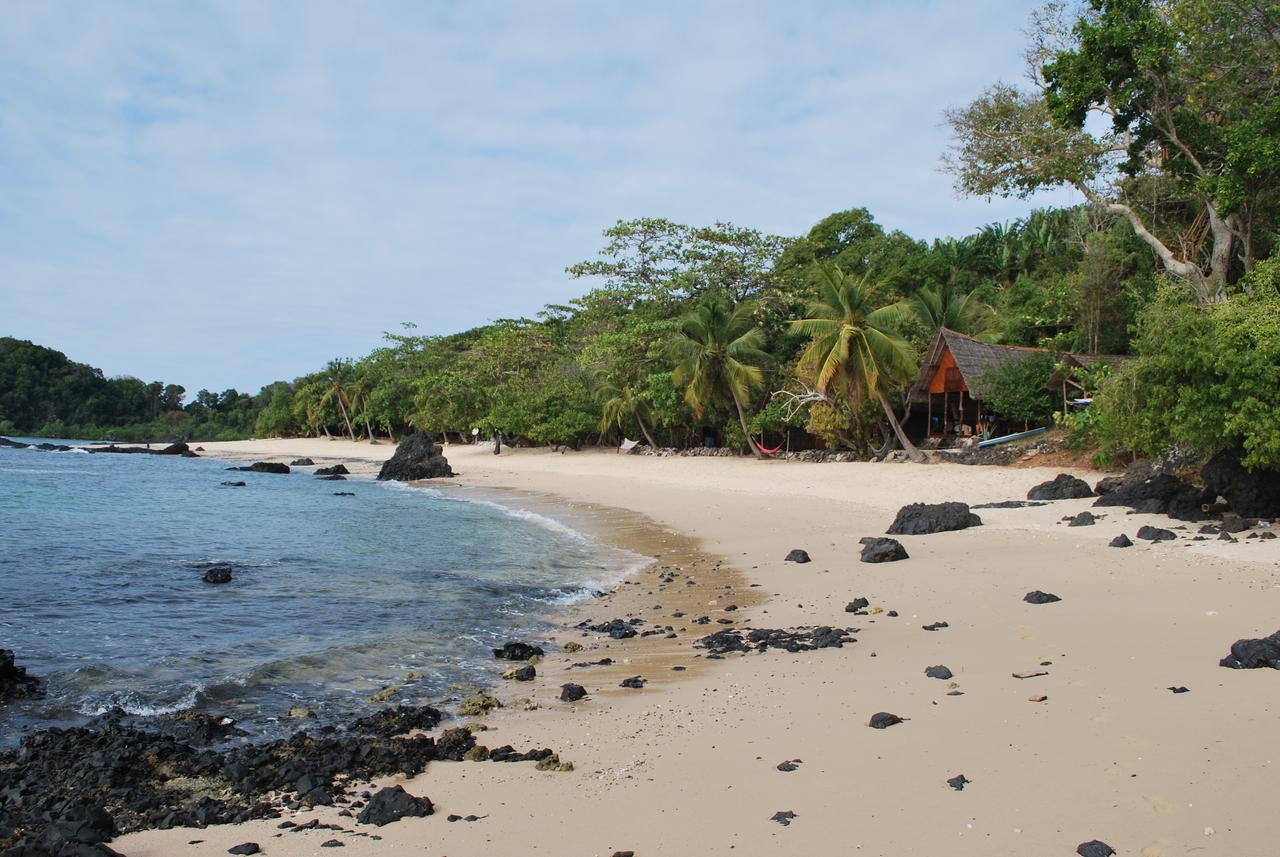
742	418
368	428
342	407
648	436
912	453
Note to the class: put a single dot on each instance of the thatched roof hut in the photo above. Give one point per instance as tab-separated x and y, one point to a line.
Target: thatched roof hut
955	363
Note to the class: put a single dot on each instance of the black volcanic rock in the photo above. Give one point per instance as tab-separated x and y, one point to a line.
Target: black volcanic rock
15	683
1094	848
797	555
1254	654
883	720
572	692
264	467
218	574
939	671
392	804
1038	597
301	462
13	444
1084	519
1156	534
334	470
1252	494
1064	486
919	519
1120	541
883	550
416	458
517	652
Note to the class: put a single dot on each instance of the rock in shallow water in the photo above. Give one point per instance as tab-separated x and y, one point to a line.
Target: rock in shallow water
15	683
393	804
918	519
415	458
334	470
218	574
517	652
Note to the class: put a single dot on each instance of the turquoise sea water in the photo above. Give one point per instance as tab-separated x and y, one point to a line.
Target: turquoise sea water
334	598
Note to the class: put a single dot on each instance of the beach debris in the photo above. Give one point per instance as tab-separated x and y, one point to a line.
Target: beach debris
940	672
1156	534
615	628
478	704
1254	654
1120	541
1094	848
883	550
857	605
524	673
1179	689
759	639
1038	698
918	519
635	682
1038	597
789	765
218	574
245	848
1009	504
15	682
797	555
958	782
1083	519
571	647
334	470
883	720
572	692
264	467
517	652
935	626
624	854
302	462
236	484
784	818
392	804
1030	674
415	458
386	694
1064	486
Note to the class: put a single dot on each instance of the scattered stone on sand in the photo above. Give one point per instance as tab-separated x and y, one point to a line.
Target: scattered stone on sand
1030	674
1010	504
15	682
635	682
760	639
218	574
883	720
938	672
333	843
392	804
302	462
1209	530
1064	486
1224	536
478	704
958	782
918	519
572	692
1038	698
857	605
1084	519
883	550
1179	689
1038	597
1120	541
936	626
524	673
1233	523
571	647
333	470
454	744
618	629
415	458
1254	654
1156	534
784	818
517	652
1094	848
789	765
797	555
245	848
264	467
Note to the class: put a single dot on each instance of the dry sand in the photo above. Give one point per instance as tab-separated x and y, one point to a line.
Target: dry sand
688	765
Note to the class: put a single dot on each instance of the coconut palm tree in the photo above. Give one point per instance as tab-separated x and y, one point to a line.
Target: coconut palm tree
854	350
944	306
619	403
718	359
337	377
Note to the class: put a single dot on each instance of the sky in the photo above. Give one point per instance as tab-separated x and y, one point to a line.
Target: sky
226	194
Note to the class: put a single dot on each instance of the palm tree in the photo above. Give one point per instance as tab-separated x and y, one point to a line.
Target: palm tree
336	379
943	306
854	350
618	403
718	359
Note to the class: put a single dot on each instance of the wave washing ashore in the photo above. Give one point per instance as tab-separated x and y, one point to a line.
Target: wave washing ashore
340	589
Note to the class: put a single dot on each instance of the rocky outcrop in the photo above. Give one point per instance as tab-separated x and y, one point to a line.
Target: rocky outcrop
416	458
218	574
920	519
1254	654
883	550
15	683
1064	486
301	462
392	804
264	467
13	444
334	470
1163	493
1251	494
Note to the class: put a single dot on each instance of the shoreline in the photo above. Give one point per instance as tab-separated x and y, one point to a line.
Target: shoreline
1110	754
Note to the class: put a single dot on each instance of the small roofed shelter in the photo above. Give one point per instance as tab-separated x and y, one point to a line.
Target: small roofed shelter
949	383
1069	384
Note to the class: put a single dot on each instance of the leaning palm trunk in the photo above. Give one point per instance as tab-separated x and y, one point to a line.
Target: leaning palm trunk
912	453
742	418
645	430
368	428
342	407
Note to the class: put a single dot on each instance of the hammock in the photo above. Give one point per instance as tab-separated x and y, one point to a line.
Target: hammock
761	447
628	444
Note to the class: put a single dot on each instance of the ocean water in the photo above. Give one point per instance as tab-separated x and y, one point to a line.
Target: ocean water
333	598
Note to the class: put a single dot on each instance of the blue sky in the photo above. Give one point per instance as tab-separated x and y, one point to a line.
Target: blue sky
223	194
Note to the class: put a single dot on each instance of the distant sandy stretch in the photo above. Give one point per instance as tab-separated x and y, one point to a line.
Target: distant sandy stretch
688	765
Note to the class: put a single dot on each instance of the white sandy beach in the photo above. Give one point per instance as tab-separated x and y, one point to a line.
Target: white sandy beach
688	765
